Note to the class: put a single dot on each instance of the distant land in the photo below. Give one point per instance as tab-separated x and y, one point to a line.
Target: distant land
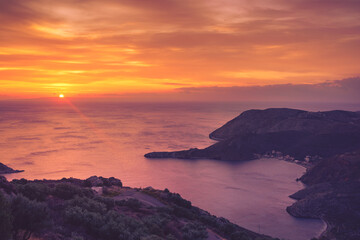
326	143
302	135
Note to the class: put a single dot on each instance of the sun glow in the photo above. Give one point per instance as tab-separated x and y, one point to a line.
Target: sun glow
61	95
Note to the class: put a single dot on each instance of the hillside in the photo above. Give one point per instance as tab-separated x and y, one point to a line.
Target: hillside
101	209
332	194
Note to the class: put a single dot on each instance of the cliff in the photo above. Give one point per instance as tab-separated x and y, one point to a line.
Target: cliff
332	194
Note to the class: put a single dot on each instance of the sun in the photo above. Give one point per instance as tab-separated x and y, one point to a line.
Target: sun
61	95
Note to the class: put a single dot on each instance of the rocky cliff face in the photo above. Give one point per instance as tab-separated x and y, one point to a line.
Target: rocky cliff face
333	194
293	132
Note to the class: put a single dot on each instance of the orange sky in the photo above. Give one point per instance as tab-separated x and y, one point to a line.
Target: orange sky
107	47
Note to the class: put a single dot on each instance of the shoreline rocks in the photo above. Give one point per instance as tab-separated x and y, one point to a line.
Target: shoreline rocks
332	194
7	170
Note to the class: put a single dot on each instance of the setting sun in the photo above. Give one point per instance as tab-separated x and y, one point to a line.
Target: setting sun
61	96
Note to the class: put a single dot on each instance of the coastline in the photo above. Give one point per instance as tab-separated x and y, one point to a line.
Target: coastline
287	158
327	225
283	196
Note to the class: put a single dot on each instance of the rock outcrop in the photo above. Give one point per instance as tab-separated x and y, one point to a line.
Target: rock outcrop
6	170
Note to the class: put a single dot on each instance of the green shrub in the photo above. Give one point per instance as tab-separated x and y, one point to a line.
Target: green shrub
155	223
132	203
68	191
182	212
75	236
239	236
5	218
152	237
111	225
109	202
88	204
34	191
178	200
29	216
194	231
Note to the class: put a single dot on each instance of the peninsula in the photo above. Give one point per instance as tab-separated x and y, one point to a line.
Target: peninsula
301	135
7	170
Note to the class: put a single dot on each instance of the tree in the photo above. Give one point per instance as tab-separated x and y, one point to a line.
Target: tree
29	217
5	218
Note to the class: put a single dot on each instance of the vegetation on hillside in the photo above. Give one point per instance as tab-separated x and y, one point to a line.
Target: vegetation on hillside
69	209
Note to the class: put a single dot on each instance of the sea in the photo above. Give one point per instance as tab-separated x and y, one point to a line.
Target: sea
56	138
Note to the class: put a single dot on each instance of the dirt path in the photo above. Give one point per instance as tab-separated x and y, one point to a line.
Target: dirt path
213	236
142	197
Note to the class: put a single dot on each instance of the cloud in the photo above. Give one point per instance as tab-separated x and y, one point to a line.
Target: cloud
336	91
343	91
122	46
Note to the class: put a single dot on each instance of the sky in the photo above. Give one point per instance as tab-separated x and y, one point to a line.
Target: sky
179	48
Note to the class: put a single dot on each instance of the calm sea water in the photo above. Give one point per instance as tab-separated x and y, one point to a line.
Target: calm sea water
53	139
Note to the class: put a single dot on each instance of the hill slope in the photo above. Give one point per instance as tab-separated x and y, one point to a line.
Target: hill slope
102	209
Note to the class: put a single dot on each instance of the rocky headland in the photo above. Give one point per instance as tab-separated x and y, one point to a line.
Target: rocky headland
326	143
7	170
302	135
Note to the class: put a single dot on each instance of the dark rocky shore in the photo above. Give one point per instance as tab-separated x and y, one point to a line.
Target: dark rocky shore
332	194
102	209
7	170
327	143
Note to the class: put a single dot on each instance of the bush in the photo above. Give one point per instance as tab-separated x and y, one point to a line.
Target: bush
152	237
194	231
132	203
68	191
75	236
5	218
178	200
182	212
34	191
111	225
29	216
239	236
156	223
88	204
